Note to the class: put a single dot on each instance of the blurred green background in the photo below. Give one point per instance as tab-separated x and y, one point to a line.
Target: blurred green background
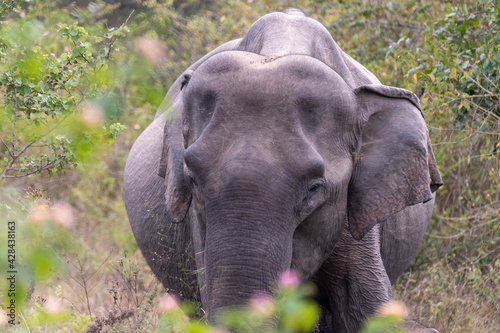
80	80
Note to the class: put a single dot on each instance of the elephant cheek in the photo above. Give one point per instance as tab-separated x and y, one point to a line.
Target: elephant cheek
315	238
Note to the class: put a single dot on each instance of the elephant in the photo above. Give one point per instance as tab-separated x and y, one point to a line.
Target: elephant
279	151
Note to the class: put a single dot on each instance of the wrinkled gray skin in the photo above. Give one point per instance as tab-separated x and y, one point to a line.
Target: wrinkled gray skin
267	146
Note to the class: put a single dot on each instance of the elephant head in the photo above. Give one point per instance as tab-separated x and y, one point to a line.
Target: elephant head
268	157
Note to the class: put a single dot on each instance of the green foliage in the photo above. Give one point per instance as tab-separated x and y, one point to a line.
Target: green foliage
366	30
9	6
458	66
41	233
290	311
456	69
382	324
51	116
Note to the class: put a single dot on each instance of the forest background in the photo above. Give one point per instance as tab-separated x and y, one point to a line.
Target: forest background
79	81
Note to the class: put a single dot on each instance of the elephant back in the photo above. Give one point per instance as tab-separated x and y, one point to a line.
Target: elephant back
280	34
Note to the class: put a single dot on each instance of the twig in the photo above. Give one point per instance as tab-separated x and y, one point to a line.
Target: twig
401	25
474	131
6	146
112	319
81	54
71	303
84	281
478	84
15	106
98	268
14	158
25	322
24	148
451	142
447	237
73	289
487	78
38	169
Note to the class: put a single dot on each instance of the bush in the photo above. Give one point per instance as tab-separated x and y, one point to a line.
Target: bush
54	103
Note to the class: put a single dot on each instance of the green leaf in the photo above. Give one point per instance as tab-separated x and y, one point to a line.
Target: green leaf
466	104
77	51
25	90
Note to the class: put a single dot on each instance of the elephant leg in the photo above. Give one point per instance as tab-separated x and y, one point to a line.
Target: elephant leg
401	236
165	245
355	280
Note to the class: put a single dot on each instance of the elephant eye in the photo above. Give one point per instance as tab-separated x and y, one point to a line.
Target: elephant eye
188	176
192	180
315	188
313	199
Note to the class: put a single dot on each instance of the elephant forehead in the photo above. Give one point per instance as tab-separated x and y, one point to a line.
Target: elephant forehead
241	80
222	65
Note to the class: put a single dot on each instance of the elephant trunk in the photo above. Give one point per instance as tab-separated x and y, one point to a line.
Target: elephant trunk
245	251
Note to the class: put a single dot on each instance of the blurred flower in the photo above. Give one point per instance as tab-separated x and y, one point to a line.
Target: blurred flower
393	309
3	318
137	126
53	305
91	115
62	214
289	279
168	303
39	213
152	49
262	303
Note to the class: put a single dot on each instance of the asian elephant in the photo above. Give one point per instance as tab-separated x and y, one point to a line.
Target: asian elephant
278	151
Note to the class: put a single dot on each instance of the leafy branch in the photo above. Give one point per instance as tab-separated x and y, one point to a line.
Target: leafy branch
43	95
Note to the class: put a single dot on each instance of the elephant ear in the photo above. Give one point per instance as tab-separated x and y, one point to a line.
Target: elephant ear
395	165
178	193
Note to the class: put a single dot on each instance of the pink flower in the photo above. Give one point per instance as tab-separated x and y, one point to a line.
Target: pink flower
393	309
289	279
168	303
3	318
152	49
262	303
62	214
39	213
53	305
91	115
